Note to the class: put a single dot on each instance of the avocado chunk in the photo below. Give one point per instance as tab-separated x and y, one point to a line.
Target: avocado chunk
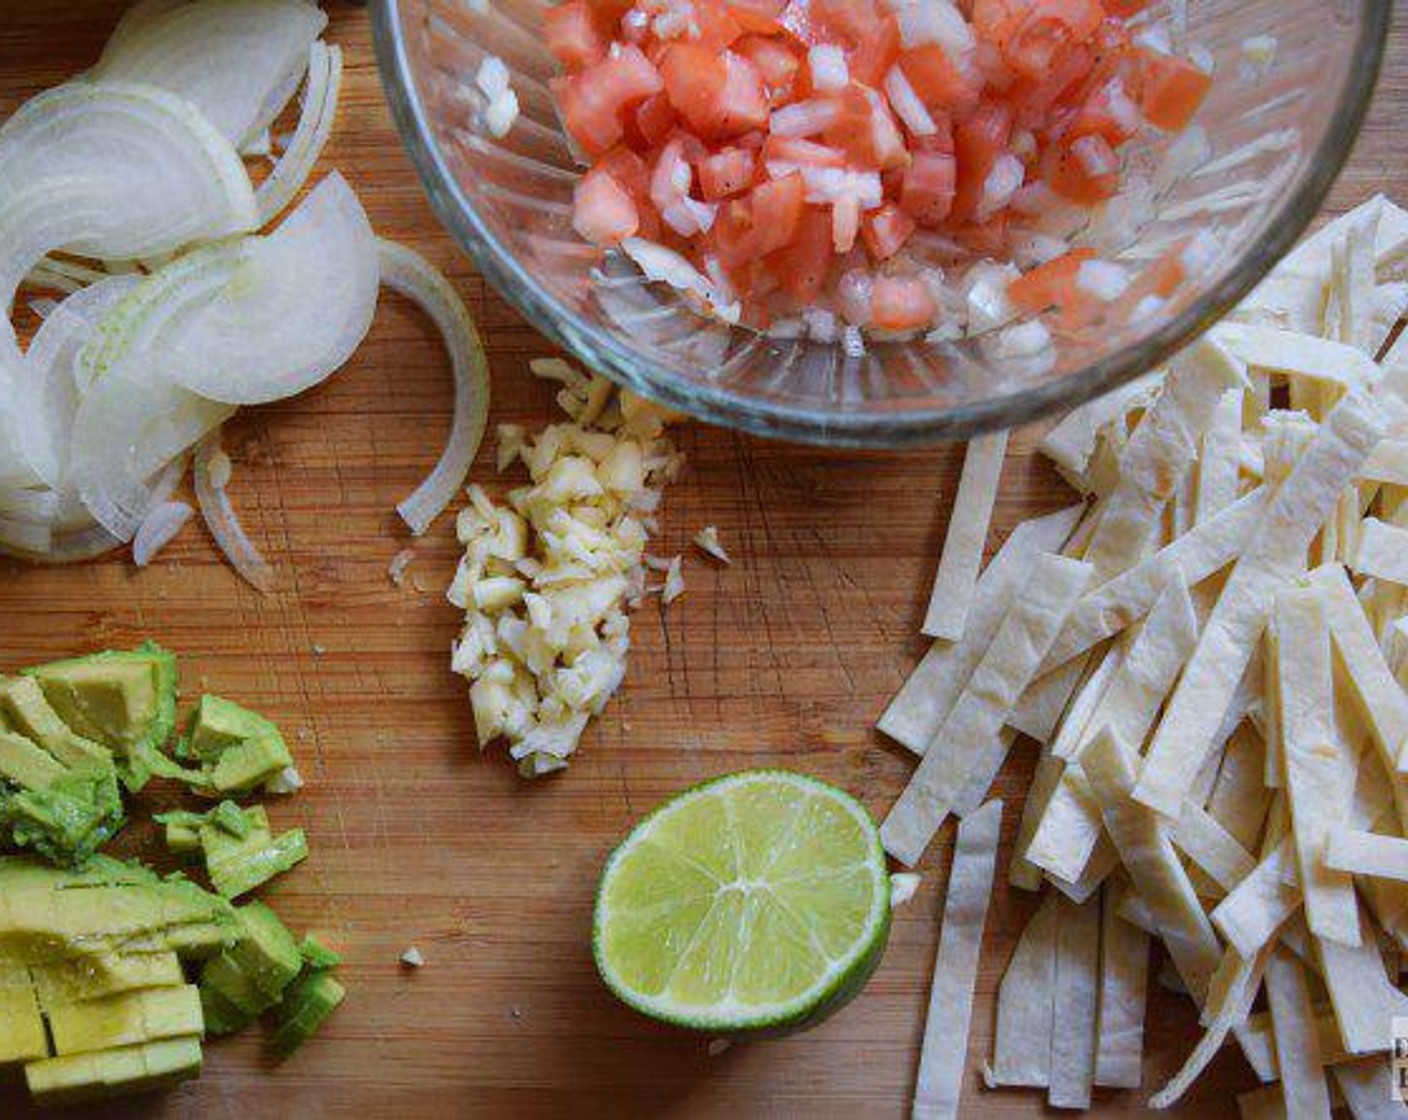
125	1019
221	1016
120	1071
239	863
237	749
317	955
25	764
26	710
311	999
71	980
70	818
122	699
252	974
22	1037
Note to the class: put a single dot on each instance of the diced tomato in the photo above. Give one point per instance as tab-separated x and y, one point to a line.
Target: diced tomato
866	130
1085	171
672	175
793	149
571	33
718	95
801	267
1052	284
977	142
1032	34
1173	90
603	211
940	84
777	64
901	303
759	17
595	100
1037	99
986	239
1108	111
885	231
654	120
852	20
776	210
877	52
927	191
608	13
726	173
718	27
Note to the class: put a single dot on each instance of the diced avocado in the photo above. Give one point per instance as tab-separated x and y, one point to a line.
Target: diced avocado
122	699
317	955
310	1000
116	1072
238	864
125	1019
266	950
237	749
22	1037
221	1016
26	764
222	975
70	818
26	710
183	839
92	977
238	822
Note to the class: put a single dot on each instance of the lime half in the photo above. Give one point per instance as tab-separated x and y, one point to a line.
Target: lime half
754	902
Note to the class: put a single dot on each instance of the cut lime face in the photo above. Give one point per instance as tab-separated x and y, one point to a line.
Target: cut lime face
757	901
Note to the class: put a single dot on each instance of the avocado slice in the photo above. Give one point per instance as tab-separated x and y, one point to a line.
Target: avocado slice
71	980
121	699
311	999
26	710
22	1037
238	749
252	974
70	818
316	955
120	1071
238	864
25	764
125	1019
221	1016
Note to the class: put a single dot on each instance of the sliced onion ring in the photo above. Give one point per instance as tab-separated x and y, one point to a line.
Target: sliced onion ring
309	137
160	528
224	524
410	275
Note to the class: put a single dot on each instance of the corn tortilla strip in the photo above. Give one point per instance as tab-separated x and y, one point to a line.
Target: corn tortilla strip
1071	443
1357	852
1141	836
1383	552
968	523
945	1048
1023	874
1026	1005
1135	911
1319	772
1038	713
1256	907
1349	310
1211	847
1124	981
1069	827
1367	1088
1104	861
1260	1047
1276	554
1077	993
1364	1000
1102	669
1239	801
1388	465
1298	355
922	704
1160	452
981	710
1127	598
1297	1046
1220	459
984	772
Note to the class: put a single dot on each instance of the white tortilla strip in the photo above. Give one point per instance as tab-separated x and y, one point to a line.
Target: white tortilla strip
1038	713
1141	836
1023	874
981	710
945	1048
1274	770
1134	910
1297	1047
1387	465
984	772
1068	829
1364	1000
1160	452
1358	852
922	704
1211	847
1219	463
1026	1006
1182	509
1127	598
1320	773
1229	639
1382	552
1287	433
1077	993
1104	861
1349	308
968	523
1102	669
1256	908
1071	443
1298	355
1367	1088
1239	801
1260	1048
1124	982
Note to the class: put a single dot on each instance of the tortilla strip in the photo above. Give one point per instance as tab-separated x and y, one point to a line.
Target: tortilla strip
1026	1005
1364	1000
1297	1046
1069	827
1297	355
1239	801
977	717
1276	553
1135	911
984	772
922	704
1077	992
1253	910
1220	459
1212	847
1160	451
1367	1088
1038	712
1388	465
1349	310
945	1050
968	523
1071	443
1085	701
1128	597
1023	874
1357	852
1124	981
1320	773
1103	862
1141	836
1383	552
1260	1048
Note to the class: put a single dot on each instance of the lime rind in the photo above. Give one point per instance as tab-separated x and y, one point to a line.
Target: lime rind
656	952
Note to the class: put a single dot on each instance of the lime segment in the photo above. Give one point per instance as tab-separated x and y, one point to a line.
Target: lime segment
756	901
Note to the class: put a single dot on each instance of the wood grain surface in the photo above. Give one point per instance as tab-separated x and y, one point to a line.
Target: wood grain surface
784	659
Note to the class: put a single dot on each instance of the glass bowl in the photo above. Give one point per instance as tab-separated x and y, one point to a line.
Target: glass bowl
1266	147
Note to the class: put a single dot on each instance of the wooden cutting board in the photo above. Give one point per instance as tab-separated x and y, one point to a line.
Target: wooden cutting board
784	659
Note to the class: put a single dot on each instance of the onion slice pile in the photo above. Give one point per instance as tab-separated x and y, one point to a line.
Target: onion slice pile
409	274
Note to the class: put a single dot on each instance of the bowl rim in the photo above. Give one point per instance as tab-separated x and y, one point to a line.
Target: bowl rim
912	427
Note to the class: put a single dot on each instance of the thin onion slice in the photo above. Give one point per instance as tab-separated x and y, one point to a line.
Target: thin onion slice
309	137
237	61
410	275
159	529
224	525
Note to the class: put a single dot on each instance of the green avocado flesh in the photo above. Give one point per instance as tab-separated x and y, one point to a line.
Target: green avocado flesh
313	997
120	1071
236	748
